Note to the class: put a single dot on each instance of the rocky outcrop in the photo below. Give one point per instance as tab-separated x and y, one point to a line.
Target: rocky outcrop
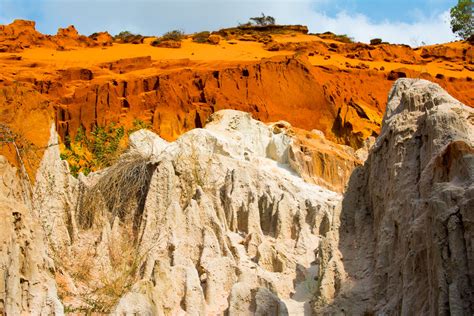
102	38
216	221
229	229
69	31
324	86
177	101
21	34
54	197
461	53
403	244
27	283
261	33
18	35
320	161
69	37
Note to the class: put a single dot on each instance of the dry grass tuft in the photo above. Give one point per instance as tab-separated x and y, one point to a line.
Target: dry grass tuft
121	191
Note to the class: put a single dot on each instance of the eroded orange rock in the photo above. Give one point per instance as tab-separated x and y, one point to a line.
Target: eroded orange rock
337	87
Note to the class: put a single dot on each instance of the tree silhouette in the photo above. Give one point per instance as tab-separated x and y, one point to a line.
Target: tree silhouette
263	20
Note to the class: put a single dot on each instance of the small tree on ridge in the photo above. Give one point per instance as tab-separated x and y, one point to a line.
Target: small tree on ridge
263	20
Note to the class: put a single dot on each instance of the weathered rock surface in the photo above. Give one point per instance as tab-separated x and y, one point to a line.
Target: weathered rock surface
27	283
229	229
226	220
217	221
337	87
320	161
54	196
404	243
21	34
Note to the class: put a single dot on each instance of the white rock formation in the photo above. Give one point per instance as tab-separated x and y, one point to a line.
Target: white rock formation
54	196
27	284
226	227
147	143
215	221
405	241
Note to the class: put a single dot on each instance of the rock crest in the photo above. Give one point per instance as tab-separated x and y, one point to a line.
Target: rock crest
404	240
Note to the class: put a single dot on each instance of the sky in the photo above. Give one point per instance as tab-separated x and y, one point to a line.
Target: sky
412	22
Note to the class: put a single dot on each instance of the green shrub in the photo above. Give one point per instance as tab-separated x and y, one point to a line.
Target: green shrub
175	35
155	42
376	41
128	37
139	124
462	19
100	149
344	38
105	143
201	37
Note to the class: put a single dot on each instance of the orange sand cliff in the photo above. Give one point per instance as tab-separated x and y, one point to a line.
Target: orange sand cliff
309	81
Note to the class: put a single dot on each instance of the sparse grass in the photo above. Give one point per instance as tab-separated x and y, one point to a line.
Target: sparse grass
13	98
118	197
344	38
125	260
138	125
27	154
102	289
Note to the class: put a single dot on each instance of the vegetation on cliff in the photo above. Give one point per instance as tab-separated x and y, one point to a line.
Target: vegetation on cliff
99	149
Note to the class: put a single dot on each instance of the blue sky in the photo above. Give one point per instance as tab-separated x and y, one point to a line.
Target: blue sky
403	21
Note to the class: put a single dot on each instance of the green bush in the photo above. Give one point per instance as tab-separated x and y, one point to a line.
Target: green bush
376	41
105	142
343	38
155	42
138	125
129	37
175	35
201	37
100	149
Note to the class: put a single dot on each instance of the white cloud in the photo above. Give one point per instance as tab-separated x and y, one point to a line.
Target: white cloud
430	30
153	17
